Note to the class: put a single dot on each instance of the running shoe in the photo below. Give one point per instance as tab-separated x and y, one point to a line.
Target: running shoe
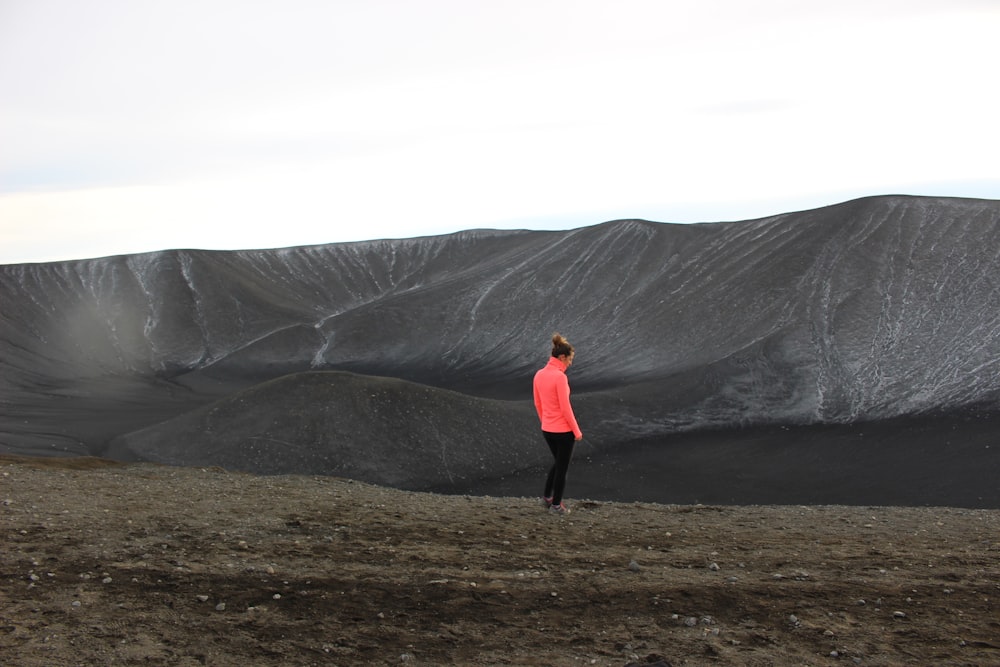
560	508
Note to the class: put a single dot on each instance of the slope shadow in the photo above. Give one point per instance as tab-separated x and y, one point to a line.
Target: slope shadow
942	460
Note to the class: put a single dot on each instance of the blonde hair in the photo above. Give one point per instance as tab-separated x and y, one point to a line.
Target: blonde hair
560	345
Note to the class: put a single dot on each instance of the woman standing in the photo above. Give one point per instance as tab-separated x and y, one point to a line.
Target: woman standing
551	389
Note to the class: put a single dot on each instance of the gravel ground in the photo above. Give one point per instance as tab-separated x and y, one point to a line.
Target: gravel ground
115	564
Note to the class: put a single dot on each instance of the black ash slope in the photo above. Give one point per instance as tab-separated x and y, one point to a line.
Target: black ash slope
875	309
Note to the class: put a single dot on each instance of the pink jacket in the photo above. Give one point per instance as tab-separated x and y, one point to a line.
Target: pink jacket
551	388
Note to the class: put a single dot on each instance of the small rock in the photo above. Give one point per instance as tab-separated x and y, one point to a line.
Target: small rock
899	614
714	567
220	607
634	566
202	598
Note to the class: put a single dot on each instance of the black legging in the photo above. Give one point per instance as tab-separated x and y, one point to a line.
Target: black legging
561	446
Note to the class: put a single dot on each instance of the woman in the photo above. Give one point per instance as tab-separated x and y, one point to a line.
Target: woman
551	389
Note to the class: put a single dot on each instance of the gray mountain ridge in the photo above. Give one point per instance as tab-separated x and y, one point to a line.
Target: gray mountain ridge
870	311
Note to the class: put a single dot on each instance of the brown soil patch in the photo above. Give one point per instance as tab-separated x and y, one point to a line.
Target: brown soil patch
141	564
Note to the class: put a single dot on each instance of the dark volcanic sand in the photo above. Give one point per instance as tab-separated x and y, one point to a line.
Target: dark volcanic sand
141	564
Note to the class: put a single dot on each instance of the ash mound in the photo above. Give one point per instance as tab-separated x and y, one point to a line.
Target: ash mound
372	429
868	312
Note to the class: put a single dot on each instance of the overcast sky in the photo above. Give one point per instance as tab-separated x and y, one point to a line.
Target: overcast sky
137	125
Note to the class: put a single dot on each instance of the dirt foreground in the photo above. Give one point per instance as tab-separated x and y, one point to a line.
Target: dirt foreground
139	564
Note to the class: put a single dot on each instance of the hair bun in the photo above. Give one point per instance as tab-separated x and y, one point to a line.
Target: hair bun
560	345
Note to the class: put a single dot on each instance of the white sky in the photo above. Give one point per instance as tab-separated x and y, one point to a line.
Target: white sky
136	125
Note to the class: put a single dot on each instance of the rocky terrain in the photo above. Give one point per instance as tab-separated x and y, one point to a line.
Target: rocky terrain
141	564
